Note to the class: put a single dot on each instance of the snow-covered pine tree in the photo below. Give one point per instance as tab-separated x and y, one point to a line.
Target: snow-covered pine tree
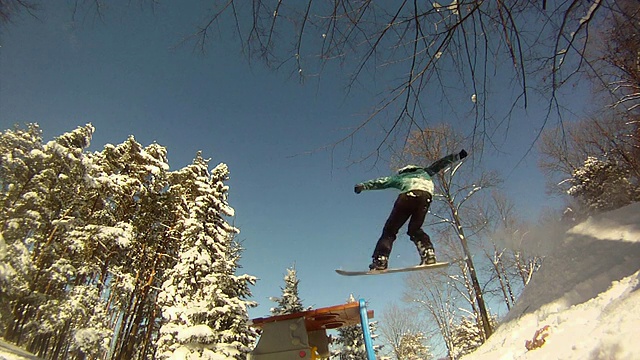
130	234
350	341
6	272
89	238
413	346
92	330
202	299
602	185
44	192
91	231
351	344
466	336
290	301
16	173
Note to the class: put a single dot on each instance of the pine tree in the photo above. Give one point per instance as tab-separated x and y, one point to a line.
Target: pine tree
89	239
6	272
290	301
351	341
45	192
202	300
92	330
134	202
466	336
16	173
413	347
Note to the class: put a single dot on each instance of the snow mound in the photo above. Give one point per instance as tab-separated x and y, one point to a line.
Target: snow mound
584	300
11	352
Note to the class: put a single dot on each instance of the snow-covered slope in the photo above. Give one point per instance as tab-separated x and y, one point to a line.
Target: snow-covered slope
586	294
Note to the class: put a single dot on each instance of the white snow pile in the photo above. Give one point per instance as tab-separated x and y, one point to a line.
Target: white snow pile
12	352
584	302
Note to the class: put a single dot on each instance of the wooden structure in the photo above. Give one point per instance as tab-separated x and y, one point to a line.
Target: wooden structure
303	335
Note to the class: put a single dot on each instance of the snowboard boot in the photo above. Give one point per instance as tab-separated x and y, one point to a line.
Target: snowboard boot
426	252
428	257
379	263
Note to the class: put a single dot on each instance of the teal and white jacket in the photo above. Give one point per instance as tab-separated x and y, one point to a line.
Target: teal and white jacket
411	177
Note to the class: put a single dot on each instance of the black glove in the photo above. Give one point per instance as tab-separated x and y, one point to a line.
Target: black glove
463	154
358	188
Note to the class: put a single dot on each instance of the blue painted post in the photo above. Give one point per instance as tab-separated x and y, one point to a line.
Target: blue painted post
364	322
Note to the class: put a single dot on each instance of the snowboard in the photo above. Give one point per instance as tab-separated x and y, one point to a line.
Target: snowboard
397	270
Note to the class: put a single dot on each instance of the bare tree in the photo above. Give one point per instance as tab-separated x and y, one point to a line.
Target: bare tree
612	131
455	55
452	205
9	8
511	267
399	325
608	138
437	53
445	295
565	150
618	73
485	221
434	295
616	54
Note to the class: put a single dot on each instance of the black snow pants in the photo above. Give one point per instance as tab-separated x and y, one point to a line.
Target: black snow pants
412	204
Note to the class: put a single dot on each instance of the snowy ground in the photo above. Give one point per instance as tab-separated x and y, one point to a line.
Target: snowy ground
12	352
586	293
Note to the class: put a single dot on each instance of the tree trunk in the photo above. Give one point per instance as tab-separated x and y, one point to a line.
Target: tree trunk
62	335
503	278
486	325
507	282
147	345
120	334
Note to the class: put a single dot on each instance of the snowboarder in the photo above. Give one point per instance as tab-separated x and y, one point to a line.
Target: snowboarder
416	192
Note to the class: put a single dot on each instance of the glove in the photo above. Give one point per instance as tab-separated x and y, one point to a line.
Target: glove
463	154
358	188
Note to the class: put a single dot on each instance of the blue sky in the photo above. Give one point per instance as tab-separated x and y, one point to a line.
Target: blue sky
293	205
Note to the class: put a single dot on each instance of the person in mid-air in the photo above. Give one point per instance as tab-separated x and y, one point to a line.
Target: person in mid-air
416	192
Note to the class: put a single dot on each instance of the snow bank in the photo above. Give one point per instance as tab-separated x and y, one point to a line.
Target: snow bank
586	294
12	352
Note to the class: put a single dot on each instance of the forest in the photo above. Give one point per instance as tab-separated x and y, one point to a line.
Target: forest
110	255
113	254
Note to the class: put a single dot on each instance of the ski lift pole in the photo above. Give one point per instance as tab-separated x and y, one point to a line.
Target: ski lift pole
366	333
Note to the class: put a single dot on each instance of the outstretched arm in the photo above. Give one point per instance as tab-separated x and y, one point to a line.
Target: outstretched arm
376	184
437	166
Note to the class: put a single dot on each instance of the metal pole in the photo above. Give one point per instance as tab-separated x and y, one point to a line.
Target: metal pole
364	322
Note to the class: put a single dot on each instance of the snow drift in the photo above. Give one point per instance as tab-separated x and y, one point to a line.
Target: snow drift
11	352
584	301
